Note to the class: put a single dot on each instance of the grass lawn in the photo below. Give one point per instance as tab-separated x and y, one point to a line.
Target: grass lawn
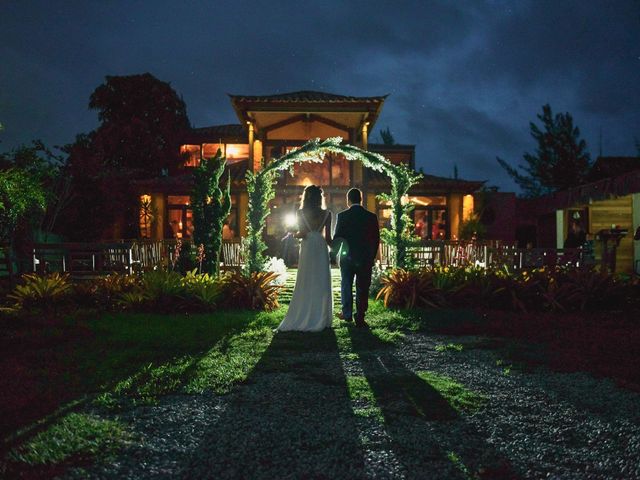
123	356
48	372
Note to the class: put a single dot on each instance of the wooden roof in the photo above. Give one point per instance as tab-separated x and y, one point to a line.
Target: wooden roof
429	184
266	110
616	186
229	133
605	167
306	96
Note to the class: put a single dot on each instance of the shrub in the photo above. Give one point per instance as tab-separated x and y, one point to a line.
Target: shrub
202	291
255	291
40	292
410	289
163	290
134	300
105	292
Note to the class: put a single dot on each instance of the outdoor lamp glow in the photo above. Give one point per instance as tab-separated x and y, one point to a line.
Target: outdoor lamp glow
290	220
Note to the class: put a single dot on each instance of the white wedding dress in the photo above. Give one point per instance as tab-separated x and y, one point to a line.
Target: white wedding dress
311	307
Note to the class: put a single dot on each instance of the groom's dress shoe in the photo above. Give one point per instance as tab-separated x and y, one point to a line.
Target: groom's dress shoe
342	317
361	324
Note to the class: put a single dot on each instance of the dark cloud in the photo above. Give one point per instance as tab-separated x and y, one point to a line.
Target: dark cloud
465	78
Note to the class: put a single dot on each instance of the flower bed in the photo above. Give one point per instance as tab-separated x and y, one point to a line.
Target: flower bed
161	291
558	289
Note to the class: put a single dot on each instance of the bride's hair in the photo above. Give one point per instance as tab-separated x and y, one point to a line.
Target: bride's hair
312	197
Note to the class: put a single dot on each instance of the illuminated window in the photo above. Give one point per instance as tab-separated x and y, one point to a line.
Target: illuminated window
191	155
180	216
234	152
237	151
178	200
146	216
467	207
422	201
209	150
339	170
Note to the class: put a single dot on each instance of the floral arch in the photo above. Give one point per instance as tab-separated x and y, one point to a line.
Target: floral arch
260	187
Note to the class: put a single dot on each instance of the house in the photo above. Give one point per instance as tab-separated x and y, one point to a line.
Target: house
611	200
272	125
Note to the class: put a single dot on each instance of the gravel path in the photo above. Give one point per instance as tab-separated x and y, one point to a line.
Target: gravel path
294	418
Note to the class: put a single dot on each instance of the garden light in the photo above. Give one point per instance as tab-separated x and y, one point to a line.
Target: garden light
290	220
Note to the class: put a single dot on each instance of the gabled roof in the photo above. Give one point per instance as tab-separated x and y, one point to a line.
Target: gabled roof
605	167
429	184
265	110
233	132
616	186
306	96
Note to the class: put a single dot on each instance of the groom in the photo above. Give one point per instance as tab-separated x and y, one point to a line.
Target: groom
358	235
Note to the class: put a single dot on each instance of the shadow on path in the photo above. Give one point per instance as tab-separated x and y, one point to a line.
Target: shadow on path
295	421
428	437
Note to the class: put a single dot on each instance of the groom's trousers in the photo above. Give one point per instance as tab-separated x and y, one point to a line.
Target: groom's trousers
362	274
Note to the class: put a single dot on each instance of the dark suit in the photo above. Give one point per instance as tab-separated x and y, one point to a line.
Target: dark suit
358	236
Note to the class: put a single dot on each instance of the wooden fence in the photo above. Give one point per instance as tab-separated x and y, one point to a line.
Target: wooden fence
490	254
87	260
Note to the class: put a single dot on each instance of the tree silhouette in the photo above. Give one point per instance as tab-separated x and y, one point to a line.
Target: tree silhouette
560	161
387	137
142	123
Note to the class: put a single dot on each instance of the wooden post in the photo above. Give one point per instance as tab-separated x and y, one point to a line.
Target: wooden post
252	166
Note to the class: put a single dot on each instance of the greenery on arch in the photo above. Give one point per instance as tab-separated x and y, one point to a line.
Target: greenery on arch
260	188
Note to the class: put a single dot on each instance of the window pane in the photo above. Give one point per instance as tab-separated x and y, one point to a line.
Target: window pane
209	150
310	173
340	171
191	155
237	151
175	222
178	199
419	201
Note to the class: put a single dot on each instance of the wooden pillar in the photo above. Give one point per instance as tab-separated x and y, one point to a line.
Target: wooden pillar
357	164
252	163
243	206
454	208
158	203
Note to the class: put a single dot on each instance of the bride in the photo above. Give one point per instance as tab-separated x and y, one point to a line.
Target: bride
311	307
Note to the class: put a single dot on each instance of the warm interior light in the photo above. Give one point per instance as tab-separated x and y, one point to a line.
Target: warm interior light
306	181
232	151
467	207
290	220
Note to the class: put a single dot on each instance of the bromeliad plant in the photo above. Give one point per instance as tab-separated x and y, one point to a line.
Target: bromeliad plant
540	289
40	293
256	291
410	289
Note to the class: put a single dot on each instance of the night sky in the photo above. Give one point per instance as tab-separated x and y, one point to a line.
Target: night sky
465	78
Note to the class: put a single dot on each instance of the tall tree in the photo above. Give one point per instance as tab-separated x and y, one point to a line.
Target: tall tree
211	206
560	160
49	171
387	137
143	121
